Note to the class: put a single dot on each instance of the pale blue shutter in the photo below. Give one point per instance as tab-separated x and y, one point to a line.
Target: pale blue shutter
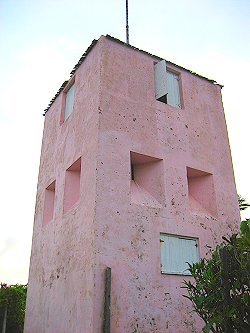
169	254
173	96
188	253
69	103
164	254
160	79
176	252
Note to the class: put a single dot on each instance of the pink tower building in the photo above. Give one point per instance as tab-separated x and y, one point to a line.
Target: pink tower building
135	175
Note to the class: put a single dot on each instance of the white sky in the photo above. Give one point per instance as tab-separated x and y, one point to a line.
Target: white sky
42	40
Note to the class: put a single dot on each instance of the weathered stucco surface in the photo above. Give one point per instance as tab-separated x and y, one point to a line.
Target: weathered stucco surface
115	113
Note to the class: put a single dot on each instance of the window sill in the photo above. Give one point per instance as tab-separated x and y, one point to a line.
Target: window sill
177	274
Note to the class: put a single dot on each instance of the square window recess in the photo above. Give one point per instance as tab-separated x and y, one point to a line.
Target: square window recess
147	186
49	201
72	185
176	252
201	192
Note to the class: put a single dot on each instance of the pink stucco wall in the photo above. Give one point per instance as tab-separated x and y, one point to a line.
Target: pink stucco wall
116	223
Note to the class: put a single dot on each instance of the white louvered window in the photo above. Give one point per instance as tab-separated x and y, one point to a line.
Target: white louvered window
176	251
167	87
69	102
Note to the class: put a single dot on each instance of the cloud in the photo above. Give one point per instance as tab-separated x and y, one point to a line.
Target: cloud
14	260
6	245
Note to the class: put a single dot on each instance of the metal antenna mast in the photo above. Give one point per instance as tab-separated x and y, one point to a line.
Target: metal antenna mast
127	28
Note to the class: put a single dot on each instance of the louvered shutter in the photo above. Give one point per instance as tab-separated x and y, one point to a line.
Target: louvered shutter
69	101
160	79
176	252
173	96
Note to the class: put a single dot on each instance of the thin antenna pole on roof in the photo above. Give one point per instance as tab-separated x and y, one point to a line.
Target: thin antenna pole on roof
127	28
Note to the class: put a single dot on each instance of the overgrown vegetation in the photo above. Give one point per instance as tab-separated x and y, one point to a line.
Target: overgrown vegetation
243	204
12	307
221	291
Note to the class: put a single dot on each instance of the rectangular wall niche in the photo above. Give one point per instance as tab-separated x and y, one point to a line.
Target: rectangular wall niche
49	200
176	251
72	185
201	192
147	186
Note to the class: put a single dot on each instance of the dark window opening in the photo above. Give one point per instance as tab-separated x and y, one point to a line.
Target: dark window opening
132	172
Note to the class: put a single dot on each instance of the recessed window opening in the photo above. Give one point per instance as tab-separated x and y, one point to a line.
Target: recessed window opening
69	101
49	200
146	186
72	185
201	192
176	252
132	172
167	85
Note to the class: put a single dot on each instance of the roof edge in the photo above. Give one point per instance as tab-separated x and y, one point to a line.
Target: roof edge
116	40
81	60
168	61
